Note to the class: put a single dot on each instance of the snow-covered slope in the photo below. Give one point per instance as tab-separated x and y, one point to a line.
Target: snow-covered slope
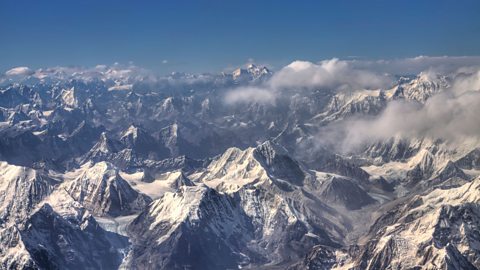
267	163
21	189
251	73
101	189
59	233
156	187
344	105
193	227
421	88
255	206
434	230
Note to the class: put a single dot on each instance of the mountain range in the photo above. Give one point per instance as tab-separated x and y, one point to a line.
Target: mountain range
112	167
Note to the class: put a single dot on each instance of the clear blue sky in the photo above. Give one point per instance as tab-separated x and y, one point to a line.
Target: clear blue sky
199	36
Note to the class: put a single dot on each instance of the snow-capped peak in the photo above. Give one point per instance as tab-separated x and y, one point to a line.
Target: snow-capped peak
252	72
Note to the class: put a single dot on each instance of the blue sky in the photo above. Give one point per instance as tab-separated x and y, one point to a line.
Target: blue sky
196	36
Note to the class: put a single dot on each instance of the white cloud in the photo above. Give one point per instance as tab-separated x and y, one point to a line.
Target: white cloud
19	71
415	65
164	61
333	74
101	67
122	87
351	75
452	115
250	94
466	79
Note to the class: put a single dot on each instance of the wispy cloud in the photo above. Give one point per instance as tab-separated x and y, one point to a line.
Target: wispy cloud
250	94
452	115
19	71
414	65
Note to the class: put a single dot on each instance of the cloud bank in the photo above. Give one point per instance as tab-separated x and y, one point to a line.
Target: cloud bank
350	75
332	74
453	114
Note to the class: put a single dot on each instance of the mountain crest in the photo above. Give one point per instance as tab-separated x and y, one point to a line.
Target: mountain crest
251	72
104	192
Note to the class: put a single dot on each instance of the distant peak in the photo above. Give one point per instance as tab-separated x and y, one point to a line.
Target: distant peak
251	71
132	130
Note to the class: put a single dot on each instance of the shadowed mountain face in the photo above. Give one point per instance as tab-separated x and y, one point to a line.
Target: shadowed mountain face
230	171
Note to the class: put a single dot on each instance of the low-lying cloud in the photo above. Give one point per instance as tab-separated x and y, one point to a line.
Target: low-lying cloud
415	65
350	75
250	94
452	115
442	117
333	74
